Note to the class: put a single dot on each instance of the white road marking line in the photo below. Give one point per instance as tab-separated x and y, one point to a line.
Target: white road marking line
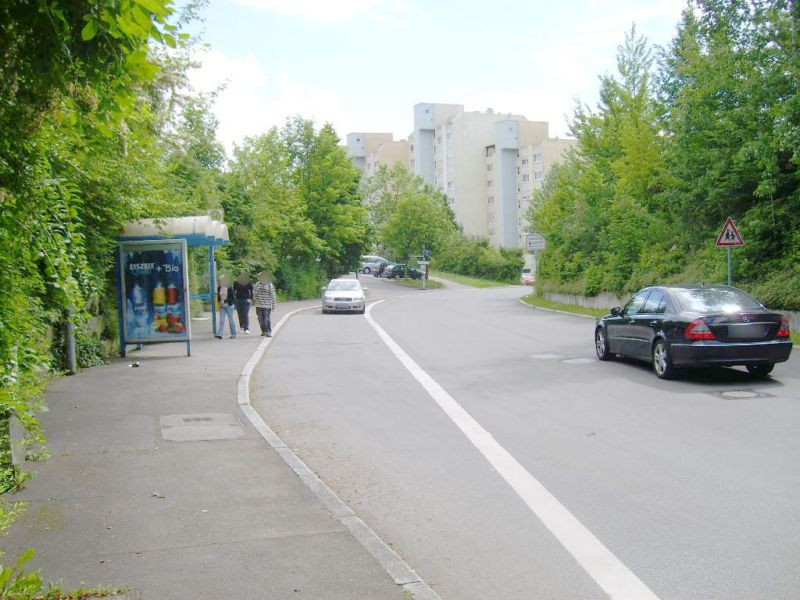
613	577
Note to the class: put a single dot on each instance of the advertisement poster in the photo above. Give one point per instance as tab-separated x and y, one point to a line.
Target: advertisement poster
155	305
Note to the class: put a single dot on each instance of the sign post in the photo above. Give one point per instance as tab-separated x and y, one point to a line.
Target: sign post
424	263
728	238
534	242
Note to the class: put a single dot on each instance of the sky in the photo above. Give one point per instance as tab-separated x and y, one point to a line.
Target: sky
363	64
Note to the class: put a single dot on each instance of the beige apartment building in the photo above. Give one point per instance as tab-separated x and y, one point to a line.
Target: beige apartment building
370	150
488	164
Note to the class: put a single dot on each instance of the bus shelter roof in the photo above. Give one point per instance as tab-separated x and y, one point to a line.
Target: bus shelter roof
201	230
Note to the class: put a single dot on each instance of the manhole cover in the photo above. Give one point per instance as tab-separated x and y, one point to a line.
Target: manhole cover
200	427
578	361
547	356
741	395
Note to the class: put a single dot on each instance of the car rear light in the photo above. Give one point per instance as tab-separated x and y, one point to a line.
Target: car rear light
785	331
698	330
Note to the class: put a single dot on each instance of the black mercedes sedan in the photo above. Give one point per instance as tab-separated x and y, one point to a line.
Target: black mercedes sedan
677	327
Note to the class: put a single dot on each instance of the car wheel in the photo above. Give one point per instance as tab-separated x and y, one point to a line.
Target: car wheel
601	344
760	370
367	271
662	363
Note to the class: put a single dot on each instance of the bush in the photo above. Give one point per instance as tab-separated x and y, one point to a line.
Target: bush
474	257
300	282
780	291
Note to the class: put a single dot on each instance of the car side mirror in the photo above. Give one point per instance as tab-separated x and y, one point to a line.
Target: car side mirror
616	311
323	288
365	288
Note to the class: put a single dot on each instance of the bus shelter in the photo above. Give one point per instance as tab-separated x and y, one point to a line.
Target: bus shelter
153	294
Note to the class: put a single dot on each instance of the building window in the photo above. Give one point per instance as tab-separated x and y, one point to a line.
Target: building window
491	217
526	177
412	147
537	157
526	160
490	200
490	183
451	185
450	137
490	167
538	175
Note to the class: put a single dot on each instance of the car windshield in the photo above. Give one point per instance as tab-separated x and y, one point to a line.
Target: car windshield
714	300
344	285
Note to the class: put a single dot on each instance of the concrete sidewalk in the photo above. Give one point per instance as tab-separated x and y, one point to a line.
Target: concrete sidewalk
159	483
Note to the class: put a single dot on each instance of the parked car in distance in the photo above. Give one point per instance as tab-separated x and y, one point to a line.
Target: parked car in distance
344	295
527	277
371	263
676	327
401	270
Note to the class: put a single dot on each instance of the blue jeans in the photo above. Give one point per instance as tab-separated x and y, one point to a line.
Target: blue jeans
226	310
243	308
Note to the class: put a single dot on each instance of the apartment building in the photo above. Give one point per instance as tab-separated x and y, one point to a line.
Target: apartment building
488	164
370	150
516	165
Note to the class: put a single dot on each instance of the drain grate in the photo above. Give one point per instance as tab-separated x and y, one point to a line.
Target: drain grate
741	394
200	427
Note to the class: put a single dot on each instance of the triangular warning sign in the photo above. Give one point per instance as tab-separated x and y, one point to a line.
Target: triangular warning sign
729	236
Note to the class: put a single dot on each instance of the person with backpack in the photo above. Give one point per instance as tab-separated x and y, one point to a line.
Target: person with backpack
244	298
226	296
265	300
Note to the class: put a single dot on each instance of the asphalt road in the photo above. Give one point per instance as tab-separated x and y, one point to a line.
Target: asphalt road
695	492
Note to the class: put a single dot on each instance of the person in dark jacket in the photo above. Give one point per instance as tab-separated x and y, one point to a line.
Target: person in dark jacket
226	296
244	298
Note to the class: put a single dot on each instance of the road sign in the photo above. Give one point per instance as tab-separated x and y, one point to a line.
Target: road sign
729	236
423	263
535	241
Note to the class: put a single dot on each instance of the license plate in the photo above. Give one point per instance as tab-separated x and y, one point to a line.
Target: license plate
342	306
747	331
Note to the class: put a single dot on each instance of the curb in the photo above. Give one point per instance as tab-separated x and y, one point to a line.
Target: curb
553	310
403	575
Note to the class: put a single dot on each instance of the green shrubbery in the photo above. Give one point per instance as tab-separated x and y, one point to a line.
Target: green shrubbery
476	258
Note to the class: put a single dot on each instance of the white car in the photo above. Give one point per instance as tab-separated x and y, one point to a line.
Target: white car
344	295
371	263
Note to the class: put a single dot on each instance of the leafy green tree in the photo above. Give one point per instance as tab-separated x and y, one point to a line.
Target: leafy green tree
328	183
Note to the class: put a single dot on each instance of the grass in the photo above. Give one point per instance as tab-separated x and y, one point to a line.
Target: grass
540	302
796	338
472	281
417	283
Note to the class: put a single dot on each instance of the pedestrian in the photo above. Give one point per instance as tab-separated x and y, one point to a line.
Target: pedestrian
244	298
265	300
227	304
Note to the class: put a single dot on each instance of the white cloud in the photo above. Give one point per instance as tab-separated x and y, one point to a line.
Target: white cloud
253	100
331	11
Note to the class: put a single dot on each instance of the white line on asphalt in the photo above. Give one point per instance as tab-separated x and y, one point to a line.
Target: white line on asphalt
599	562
